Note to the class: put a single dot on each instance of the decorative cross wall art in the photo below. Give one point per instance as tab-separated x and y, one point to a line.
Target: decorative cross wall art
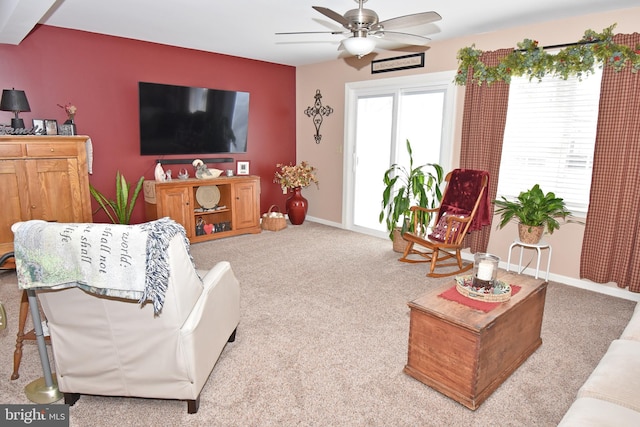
317	112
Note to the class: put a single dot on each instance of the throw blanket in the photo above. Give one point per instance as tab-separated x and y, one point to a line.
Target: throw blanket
125	261
461	195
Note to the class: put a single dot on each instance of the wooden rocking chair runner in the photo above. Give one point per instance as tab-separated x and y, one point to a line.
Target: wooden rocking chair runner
464	208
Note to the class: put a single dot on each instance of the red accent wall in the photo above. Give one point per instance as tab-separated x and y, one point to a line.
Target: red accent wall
100	74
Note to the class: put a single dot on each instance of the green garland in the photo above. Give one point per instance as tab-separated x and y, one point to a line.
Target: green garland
532	60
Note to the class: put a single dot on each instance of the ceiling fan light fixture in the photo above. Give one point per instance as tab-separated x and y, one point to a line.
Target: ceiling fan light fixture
359	46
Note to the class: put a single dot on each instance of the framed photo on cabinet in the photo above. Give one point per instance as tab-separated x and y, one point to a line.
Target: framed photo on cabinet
67	129
242	168
51	127
38	127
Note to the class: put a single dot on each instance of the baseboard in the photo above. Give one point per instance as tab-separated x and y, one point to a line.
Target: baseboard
324	222
607	288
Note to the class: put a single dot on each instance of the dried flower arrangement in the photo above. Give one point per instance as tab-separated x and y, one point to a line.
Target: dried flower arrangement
69	109
301	175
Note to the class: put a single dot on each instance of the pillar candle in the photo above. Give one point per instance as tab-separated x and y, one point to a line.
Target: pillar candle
485	270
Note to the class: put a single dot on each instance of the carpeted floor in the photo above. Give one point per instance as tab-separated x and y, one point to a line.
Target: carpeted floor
323	341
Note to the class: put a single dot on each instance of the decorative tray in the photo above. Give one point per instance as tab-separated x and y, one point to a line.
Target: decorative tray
208	196
500	291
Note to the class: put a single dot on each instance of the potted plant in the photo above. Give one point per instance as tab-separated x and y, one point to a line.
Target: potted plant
406	187
535	212
119	210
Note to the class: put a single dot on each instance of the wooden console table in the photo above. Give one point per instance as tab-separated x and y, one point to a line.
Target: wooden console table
466	353
238	205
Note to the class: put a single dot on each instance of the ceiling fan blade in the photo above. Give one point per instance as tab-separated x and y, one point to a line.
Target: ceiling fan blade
333	15
409	20
404	38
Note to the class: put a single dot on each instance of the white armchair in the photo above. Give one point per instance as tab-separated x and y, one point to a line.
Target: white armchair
105	345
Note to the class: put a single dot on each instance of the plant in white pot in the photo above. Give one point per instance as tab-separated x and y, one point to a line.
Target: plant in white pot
406	187
535	211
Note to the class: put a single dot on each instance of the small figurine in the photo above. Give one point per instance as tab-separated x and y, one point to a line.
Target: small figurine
183	174
201	168
200	227
202	172
159	173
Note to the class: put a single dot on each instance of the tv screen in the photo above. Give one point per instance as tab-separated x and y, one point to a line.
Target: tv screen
192	120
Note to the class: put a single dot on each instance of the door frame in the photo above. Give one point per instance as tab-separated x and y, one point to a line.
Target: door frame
439	80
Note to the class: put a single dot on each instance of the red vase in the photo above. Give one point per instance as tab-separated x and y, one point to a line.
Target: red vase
297	207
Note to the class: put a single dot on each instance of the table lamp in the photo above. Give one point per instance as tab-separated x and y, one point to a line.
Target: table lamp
16	101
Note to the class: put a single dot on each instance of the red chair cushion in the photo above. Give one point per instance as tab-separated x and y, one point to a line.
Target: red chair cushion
439	232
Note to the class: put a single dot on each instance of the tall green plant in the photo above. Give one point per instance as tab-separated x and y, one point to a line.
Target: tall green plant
119	210
533	208
406	187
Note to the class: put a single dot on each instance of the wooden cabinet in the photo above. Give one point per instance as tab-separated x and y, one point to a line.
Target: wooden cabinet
42	177
236	200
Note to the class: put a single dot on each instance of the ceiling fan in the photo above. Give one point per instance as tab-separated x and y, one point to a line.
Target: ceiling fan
364	25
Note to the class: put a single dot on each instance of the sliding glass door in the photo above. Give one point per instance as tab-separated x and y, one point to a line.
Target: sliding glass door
382	116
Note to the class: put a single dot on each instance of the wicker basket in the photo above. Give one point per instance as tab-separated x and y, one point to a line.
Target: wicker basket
399	244
273	220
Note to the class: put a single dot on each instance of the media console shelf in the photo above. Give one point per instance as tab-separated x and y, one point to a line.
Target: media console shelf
237	211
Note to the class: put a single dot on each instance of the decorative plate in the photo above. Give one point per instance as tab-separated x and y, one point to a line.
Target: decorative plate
208	196
499	293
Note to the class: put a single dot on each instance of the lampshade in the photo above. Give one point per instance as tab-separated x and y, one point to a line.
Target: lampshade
16	101
359	46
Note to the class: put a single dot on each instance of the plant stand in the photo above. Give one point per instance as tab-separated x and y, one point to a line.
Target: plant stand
538	247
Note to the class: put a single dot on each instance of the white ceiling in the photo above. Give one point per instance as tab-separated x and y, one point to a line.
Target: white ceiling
247	28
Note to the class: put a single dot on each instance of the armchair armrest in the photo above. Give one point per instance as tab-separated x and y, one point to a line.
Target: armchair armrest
416	226
420	208
221	280
212	320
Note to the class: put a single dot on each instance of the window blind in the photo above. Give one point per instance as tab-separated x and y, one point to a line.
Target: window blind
550	137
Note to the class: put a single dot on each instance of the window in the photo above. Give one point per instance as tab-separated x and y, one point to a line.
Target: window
550	137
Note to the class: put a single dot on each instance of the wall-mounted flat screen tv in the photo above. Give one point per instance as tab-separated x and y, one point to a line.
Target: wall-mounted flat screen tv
192	120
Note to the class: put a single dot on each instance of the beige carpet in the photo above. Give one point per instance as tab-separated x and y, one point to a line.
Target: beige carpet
322	341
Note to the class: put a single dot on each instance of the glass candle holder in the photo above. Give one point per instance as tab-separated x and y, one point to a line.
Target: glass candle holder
485	270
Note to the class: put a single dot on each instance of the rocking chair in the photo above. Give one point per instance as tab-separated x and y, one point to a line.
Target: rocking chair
464	208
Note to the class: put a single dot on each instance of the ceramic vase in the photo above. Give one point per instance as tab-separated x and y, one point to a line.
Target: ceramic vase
297	207
72	126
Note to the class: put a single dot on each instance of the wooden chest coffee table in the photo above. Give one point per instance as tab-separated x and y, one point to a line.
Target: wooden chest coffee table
466	353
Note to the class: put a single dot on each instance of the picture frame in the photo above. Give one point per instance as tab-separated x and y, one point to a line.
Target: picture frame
398	63
242	168
38	127
67	129
51	127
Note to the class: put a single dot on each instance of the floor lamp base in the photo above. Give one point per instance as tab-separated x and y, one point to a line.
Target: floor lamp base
38	392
